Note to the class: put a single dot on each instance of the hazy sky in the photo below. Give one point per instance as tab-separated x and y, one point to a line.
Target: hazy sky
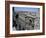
26	9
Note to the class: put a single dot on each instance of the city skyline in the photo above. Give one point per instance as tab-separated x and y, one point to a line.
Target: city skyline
35	10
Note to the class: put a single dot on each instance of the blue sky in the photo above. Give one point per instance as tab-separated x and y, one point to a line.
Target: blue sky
26	9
